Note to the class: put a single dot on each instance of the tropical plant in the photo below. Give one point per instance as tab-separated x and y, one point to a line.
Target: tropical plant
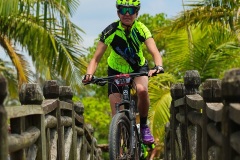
160	98
207	12
191	42
204	44
45	32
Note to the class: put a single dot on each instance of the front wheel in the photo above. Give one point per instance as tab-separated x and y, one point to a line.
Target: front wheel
119	138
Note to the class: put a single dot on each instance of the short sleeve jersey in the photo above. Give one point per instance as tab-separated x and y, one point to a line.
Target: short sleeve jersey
126	48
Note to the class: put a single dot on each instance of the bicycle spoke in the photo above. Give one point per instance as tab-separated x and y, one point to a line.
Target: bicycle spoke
124	142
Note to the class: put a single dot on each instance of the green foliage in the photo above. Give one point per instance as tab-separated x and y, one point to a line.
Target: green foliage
160	98
57	37
154	23
210	49
97	113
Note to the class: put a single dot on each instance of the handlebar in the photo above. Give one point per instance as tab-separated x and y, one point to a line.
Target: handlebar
103	80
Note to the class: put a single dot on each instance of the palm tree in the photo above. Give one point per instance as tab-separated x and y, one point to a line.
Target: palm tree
44	31
193	41
208	12
204	38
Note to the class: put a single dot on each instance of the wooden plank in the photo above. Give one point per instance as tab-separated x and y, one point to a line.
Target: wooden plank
50	121
26	139
173	126
79	146
53	144
179	102
195	118
181	118
234	112
80	131
214	111
205	137
66	121
235	141
79	119
66	105
195	101
42	144
68	142
49	105
17	127
84	153
60	130
215	135
24	110
3	133
74	137
32	152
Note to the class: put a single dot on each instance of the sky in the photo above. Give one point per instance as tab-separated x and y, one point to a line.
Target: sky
93	16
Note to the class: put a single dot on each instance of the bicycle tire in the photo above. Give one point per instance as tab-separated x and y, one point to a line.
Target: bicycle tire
138	149
119	138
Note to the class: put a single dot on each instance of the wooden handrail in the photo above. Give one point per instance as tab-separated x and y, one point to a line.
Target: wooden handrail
48	125
207	125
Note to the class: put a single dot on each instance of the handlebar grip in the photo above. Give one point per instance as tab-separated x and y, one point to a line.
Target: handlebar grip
155	74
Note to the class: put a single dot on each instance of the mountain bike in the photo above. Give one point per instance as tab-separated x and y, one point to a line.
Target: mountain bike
125	142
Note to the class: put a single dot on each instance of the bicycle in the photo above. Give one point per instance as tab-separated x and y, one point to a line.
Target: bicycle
124	133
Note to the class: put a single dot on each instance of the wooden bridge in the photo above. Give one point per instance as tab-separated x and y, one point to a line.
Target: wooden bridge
204	125
204	122
48	125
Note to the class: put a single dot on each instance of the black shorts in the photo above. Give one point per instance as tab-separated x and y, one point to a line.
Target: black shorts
115	89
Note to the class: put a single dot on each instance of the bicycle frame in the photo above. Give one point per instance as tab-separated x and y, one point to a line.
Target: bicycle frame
130	112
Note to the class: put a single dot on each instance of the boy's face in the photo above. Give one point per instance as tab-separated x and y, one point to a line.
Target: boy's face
127	15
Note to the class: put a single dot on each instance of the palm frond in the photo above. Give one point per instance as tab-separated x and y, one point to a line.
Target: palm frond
18	60
208	12
45	31
8	7
160	98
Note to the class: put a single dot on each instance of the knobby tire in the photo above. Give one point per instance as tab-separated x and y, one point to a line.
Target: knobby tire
119	137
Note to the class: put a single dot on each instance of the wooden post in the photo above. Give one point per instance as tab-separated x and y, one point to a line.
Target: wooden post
79	110
211	93
31	94
230	94
177	91
51	91
65	94
167	142
91	130
192	81
3	120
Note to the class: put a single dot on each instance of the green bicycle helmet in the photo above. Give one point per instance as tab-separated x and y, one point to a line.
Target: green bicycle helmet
128	3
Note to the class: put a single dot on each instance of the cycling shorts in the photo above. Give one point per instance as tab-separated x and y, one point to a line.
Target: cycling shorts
112	87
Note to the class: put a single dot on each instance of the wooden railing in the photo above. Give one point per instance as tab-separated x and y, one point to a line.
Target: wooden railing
204	123
47	125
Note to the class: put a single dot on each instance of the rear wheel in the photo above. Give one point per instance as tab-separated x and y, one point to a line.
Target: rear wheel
119	138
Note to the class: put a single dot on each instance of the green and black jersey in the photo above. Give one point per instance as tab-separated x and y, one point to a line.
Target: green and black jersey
126	48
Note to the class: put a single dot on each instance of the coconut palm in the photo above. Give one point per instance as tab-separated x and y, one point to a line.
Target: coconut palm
42	30
190	43
204	38
208	12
